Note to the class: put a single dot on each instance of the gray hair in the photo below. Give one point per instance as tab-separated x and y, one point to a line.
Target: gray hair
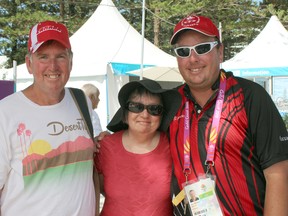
90	89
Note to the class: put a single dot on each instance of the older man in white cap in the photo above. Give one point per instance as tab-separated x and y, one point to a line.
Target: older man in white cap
46	153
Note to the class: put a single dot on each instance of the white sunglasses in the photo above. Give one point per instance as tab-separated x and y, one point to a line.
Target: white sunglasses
199	49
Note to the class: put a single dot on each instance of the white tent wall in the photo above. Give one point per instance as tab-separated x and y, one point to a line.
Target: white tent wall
100	82
266	55
114	83
105	38
264	61
3	71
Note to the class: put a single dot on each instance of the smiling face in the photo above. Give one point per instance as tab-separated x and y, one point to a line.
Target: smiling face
199	71
143	122
50	66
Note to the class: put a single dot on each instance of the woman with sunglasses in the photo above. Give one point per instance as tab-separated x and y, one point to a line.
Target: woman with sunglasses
135	163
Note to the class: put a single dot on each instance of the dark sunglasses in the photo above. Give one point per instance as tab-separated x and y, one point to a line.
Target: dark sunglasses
199	49
153	109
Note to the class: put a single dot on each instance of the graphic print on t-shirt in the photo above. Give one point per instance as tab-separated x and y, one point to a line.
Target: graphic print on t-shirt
41	160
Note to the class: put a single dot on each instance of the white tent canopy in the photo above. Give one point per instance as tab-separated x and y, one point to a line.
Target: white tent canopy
266	55
107	37
158	73
105	40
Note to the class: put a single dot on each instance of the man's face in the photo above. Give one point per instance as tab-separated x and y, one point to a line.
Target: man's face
192	193
50	65
199	71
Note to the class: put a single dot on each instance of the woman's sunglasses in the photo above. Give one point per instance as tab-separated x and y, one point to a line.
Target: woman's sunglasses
155	110
199	49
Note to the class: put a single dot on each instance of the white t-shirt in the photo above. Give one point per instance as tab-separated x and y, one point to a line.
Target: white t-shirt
46	159
96	123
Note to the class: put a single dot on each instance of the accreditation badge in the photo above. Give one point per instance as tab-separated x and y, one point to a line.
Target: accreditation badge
201	198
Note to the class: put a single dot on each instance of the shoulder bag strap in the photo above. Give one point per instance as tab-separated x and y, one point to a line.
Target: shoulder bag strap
80	100
81	103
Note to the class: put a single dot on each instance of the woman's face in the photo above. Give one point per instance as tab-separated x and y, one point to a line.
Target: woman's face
144	122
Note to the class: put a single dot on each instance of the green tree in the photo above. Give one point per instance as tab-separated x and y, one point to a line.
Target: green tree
238	20
278	8
241	20
17	17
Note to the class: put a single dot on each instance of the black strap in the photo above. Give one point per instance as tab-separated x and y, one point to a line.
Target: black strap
80	99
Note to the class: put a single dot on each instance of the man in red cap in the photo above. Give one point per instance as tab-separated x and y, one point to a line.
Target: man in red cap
228	140
46	153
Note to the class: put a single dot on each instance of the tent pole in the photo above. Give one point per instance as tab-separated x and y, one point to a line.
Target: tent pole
143	37
271	86
220	39
15	74
220	31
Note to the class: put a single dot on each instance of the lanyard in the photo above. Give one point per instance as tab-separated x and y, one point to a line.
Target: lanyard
187	169
213	133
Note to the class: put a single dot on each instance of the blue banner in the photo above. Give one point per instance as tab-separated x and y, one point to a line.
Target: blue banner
255	72
123	68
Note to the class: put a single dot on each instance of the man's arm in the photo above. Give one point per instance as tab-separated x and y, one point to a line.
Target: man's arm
276	189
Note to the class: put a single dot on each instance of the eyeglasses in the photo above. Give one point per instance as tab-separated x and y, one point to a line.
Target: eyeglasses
199	49
152	109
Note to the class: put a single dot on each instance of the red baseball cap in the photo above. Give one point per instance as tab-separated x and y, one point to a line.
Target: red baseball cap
48	30
200	24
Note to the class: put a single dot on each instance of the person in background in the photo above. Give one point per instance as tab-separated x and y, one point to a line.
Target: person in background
46	153
134	162
93	93
235	132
